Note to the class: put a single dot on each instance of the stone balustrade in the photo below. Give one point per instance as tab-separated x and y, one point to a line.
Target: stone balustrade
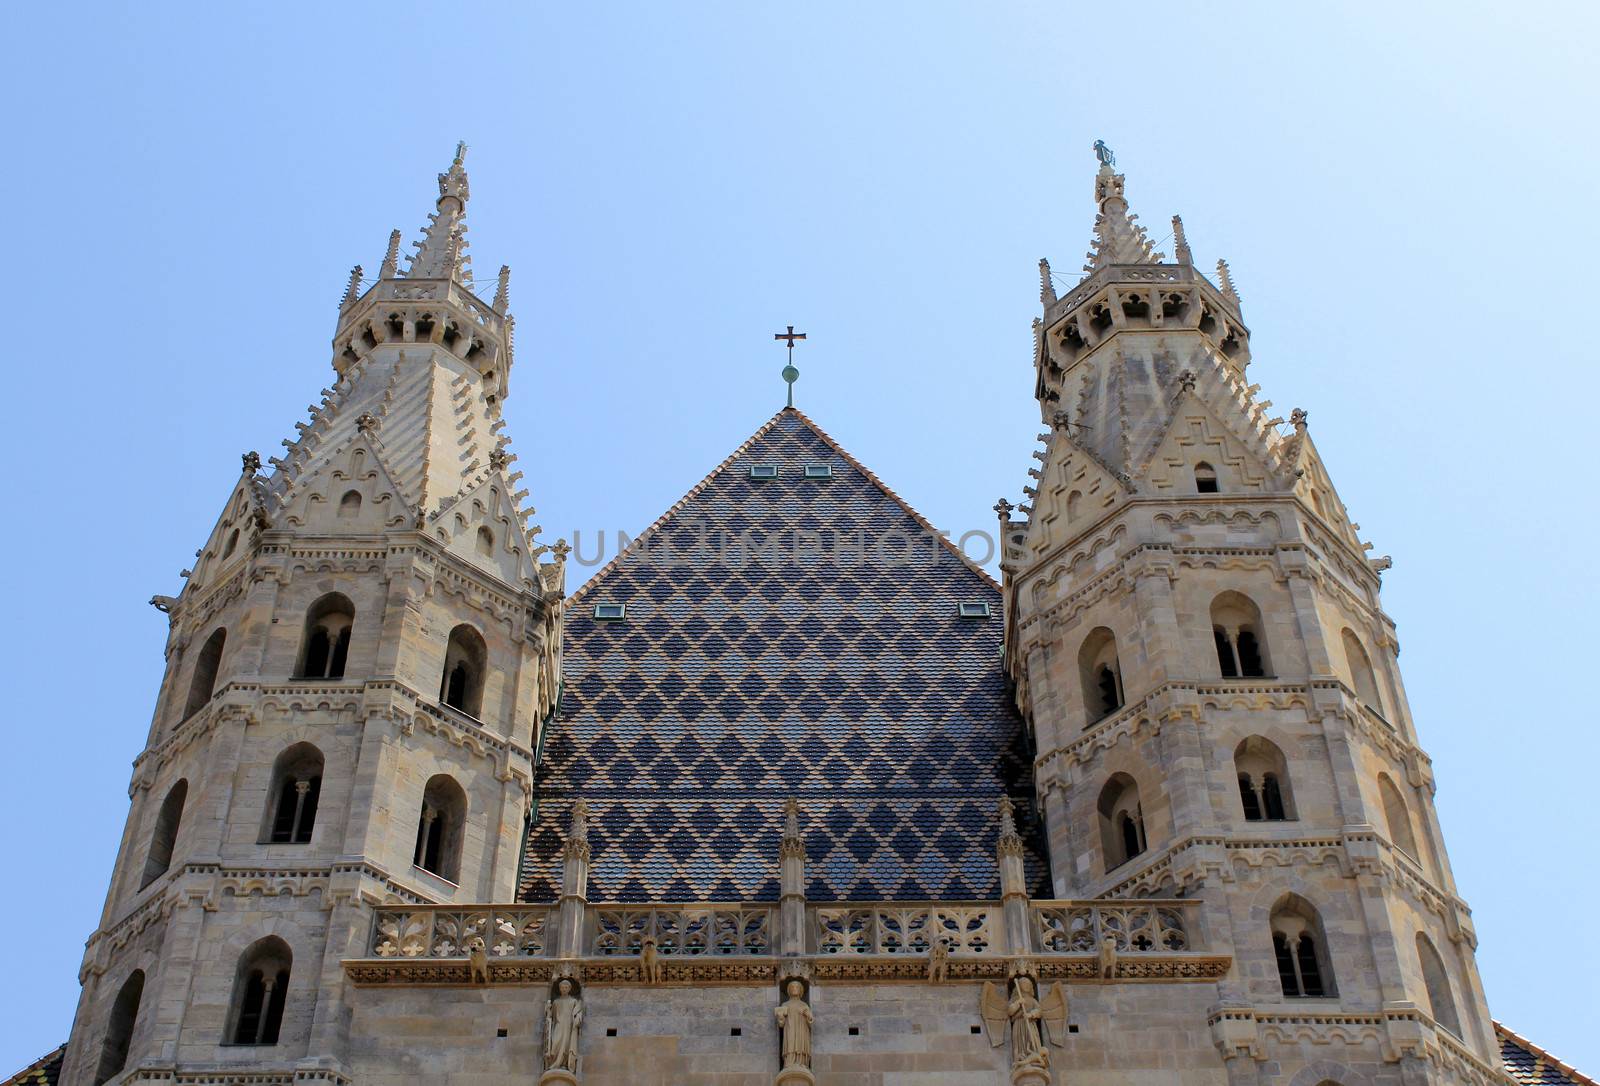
907	929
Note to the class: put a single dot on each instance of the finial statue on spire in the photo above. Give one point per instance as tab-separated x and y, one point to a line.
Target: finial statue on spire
1118	237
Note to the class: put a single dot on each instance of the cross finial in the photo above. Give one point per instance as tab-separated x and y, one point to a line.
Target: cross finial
790	374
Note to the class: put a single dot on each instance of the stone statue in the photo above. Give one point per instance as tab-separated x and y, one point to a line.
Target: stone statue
794	1024
563	1017
1108	957
939	962
478	963
1028	1019
649	961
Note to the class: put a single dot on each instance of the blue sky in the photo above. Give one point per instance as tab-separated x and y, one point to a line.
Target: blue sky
1404	193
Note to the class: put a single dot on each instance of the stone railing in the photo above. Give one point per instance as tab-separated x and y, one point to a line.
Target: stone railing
1079	927
964	928
739	942
440	931
686	930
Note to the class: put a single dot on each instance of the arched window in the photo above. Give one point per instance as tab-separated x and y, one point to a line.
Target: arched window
485	541
1301	949
1441	1004
206	666
1121	820
259	992
296	787
350	505
326	644
1263	780
440	827
1361	670
1236	629
232	544
465	658
1100	673
1205	478
159	858
1397	816
119	1029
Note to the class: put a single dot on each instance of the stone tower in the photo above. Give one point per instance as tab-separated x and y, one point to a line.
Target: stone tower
357	670
1196	638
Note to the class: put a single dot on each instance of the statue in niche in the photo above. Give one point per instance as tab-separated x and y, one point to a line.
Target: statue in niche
563	1017
1029	1019
794	1025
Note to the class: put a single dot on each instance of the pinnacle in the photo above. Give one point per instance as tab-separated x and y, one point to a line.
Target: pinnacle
441	254
1118	237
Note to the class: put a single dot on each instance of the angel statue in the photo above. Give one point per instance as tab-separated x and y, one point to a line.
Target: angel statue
563	1016
1032	1020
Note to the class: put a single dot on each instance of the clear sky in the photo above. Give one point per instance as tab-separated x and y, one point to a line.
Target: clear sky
1404	191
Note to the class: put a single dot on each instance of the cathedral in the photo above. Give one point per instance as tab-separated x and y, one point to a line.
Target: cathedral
792	792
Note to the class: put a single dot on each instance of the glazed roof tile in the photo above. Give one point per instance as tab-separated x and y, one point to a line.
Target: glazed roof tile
821	668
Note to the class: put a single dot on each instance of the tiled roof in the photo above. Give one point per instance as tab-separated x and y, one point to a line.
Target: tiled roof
1531	1065
842	677
45	1071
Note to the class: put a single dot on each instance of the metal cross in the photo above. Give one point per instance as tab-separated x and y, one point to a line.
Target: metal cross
790	374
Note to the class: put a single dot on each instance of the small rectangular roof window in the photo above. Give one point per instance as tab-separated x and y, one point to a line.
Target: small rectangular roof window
819	471
763	471
974	610
610	612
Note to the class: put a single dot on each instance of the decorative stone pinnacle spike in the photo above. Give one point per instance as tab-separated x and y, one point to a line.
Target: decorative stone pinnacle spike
1225	280
1047	289
1186	380
502	290
252	462
1003	508
1059	420
1118	238
1297	419
1180	241
791	817
440	253
353	290
391	257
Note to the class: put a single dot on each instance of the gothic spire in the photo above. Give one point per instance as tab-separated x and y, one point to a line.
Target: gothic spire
441	254
1118	237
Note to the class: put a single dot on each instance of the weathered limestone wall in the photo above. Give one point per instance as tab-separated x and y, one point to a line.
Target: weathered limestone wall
908	1035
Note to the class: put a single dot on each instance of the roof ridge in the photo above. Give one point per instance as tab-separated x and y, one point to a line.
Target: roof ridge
1506	1033
656	524
898	500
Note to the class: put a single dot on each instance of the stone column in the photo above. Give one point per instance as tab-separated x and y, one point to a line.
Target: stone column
574	885
1013	884
792	885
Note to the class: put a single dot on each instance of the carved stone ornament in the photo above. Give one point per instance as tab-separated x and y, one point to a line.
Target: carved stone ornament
794	1028
1029	1020
563	1018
